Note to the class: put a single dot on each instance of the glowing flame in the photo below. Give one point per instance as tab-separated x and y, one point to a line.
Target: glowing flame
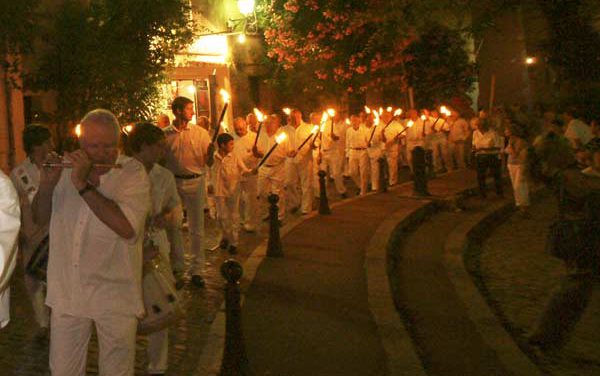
225	95
331	112
225	127
423	117
444	110
376	120
410	124
398	112
127	129
315	129
347	121
280	138
287	111
78	130
380	110
367	110
259	115
324	117
191	89
389	109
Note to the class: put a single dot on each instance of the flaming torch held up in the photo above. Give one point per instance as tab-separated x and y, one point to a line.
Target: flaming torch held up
260	117
313	132
226	99
278	140
331	113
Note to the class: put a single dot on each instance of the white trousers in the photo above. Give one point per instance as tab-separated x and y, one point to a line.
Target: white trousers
248	200
271	180
36	291
457	152
228	215
158	352
175	237
520	184
193	196
70	335
392	159
439	147
299	185
358	165
330	163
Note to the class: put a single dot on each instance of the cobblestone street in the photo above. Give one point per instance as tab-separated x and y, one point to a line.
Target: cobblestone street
520	278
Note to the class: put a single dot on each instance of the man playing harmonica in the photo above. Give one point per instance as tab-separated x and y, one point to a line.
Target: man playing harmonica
96	217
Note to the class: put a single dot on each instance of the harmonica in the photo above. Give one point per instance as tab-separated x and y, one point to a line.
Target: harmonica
70	165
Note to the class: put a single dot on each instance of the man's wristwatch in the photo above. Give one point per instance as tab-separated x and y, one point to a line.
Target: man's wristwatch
88	187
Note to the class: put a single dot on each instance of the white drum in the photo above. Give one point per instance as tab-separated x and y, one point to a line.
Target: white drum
161	301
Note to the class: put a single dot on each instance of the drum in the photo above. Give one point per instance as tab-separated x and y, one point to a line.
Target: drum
161	301
38	263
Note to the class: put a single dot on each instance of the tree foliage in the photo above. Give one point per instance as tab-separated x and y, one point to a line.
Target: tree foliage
111	54
17	28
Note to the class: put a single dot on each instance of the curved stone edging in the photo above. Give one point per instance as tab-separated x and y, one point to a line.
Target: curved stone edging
465	234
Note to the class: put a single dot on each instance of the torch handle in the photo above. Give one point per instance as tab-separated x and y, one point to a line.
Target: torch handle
331	127
262	161
257	133
434	123
304	142
372	134
221	117
70	165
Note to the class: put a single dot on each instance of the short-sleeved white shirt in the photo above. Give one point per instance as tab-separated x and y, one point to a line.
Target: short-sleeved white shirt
91	269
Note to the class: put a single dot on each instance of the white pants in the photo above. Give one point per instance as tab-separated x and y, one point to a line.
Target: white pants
520	184
330	162
193	196
36	291
249	198
175	237
300	184
392	159
158	352
358	164
228	215
439	147
69	340
457	152
271	180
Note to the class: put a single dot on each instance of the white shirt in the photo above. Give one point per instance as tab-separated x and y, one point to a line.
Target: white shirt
489	139
281	151
187	149
356	140
577	129
459	130
302	133
9	230
391	133
329	144
414	134
291	133
91	269
228	171
242	148
165	198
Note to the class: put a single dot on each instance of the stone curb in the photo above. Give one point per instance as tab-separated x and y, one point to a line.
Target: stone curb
468	233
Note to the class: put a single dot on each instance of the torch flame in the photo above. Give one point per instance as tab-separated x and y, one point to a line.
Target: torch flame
331	112
423	117
315	129
78	130
398	112
280	138
380	110
287	111
127	129
367	110
410	124
324	117
347	121
389	109
225	127
444	110
259	115
225	95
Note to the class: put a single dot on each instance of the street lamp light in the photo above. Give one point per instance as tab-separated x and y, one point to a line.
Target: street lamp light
530	60
246	7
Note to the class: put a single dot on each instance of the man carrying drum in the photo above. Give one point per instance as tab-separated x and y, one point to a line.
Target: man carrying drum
96	209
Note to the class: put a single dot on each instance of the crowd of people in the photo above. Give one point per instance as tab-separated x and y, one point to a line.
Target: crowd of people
111	211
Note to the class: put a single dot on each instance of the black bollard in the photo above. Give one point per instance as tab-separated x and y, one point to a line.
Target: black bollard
323	202
429	163
419	172
235	360
274	248
383	174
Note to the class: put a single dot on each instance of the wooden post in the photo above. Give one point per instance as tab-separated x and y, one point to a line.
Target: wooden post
492	92
323	201
274	248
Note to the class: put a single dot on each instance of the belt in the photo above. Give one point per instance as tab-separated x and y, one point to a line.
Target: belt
188	177
358	148
270	165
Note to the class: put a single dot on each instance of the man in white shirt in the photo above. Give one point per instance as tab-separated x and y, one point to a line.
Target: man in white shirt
271	175
487	145
26	178
415	135
357	138
97	216
248	184
391	137
9	230
437	141
147	143
458	132
189	151
577	132
375	148
293	188
302	165
327	143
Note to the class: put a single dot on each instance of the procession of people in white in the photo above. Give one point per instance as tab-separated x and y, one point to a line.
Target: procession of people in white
109	216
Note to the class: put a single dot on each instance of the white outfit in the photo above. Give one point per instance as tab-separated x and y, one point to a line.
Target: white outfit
392	149
271	175
415	136
300	170
516	150
330	155
94	275
165	199
9	230
578	130
438	143
242	148
358	159
186	158
375	152
458	133
228	171
26	178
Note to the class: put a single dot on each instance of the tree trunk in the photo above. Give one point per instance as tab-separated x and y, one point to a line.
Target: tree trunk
9	120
